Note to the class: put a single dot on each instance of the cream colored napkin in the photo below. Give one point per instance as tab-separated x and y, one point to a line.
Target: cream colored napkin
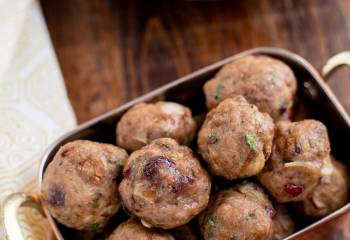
34	108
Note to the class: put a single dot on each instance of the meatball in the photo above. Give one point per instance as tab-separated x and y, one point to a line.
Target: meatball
264	81
236	139
242	212
164	184
79	187
132	229
283	224
299	153
330	194
147	121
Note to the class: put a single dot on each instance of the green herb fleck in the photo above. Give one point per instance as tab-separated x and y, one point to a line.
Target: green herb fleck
217	92
211	229
96	197
119	163
94	203
251	214
224	78
219	87
93	227
225	194
212	139
249	137
273	74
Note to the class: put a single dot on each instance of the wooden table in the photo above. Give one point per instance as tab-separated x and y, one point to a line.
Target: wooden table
113	51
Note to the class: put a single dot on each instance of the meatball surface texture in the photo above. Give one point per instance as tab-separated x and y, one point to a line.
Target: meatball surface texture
266	82
283	224
299	155
79	187
236	139
148	121
132	229
330	193
164	184
242	212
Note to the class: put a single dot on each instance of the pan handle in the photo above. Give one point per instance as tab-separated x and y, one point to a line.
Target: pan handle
338	60
10	211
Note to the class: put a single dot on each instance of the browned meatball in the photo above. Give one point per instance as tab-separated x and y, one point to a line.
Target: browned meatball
264	81
164	184
133	230
242	212
298	156
236	139
79	187
147	121
330	194
283	224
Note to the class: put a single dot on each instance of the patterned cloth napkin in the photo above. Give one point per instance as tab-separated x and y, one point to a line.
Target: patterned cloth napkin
34	108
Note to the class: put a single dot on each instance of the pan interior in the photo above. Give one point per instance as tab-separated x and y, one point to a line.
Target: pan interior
312	101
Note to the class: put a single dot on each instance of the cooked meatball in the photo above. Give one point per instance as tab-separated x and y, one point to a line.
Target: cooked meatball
147	121
236	139
242	212
330	194
80	188
164	184
264	81
283	224
133	230
298	156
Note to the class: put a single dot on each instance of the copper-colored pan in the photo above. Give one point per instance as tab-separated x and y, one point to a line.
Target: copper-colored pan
321	103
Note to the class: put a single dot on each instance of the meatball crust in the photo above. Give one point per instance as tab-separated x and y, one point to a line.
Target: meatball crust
283	224
133	229
236	139
242	212
164	184
79	187
330	194
298	156
147	121
264	81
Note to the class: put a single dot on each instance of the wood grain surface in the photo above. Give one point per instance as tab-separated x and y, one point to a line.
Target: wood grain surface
113	51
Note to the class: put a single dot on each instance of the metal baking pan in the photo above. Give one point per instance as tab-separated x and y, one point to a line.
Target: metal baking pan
313	91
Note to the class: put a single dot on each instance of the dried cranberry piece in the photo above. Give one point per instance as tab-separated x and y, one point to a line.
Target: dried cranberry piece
293	189
296	151
56	195
126	173
154	165
270	211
